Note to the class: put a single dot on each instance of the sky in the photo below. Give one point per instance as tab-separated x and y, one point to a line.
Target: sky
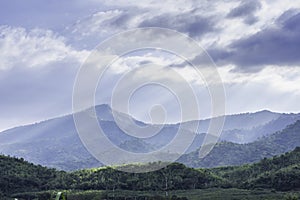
254	44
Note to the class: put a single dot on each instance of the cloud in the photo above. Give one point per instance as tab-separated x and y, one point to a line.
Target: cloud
37	71
165	6
246	10
88	32
191	23
275	45
185	16
43	46
274	88
34	48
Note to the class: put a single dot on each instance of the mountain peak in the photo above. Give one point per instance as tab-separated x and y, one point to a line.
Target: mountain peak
265	111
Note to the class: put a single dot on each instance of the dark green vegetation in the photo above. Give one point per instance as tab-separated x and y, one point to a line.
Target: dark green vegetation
228	154
18	175
266	179
279	173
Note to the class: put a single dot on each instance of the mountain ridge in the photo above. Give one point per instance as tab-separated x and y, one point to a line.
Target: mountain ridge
173	123
232	154
56	143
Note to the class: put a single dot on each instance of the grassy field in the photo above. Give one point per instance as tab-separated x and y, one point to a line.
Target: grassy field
204	194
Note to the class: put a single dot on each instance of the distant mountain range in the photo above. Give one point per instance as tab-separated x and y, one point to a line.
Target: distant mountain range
228	153
55	143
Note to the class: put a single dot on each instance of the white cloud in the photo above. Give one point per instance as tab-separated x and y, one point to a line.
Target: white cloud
280	79
127	63
167	5
275	88
37	71
34	48
97	23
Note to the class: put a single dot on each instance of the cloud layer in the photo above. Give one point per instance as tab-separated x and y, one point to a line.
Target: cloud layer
255	44
276	45
246	10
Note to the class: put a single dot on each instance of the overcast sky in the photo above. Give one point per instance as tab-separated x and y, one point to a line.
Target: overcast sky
255	45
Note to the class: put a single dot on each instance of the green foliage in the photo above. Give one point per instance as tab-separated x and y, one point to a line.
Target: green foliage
18	175
174	176
24	180
291	197
280	172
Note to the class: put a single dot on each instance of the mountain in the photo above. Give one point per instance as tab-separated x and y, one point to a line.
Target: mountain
227	153
248	127
52	143
55	142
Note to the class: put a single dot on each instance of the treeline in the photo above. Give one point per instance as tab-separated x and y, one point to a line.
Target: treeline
279	173
18	175
173	177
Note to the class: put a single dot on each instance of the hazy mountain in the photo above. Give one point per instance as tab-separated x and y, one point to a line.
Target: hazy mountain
248	127
227	153
55	142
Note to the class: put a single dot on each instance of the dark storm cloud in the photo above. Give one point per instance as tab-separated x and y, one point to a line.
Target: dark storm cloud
279	45
246	10
193	24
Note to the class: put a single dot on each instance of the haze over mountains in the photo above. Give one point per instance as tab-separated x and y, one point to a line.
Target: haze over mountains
55	142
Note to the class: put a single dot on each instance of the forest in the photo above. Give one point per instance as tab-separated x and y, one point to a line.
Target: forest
279	175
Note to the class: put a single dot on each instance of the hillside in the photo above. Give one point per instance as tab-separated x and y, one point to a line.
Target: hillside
226	153
280	172
18	175
55	142
248	127
22	179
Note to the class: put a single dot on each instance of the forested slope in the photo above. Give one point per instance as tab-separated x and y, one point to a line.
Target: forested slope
279	173
227	153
